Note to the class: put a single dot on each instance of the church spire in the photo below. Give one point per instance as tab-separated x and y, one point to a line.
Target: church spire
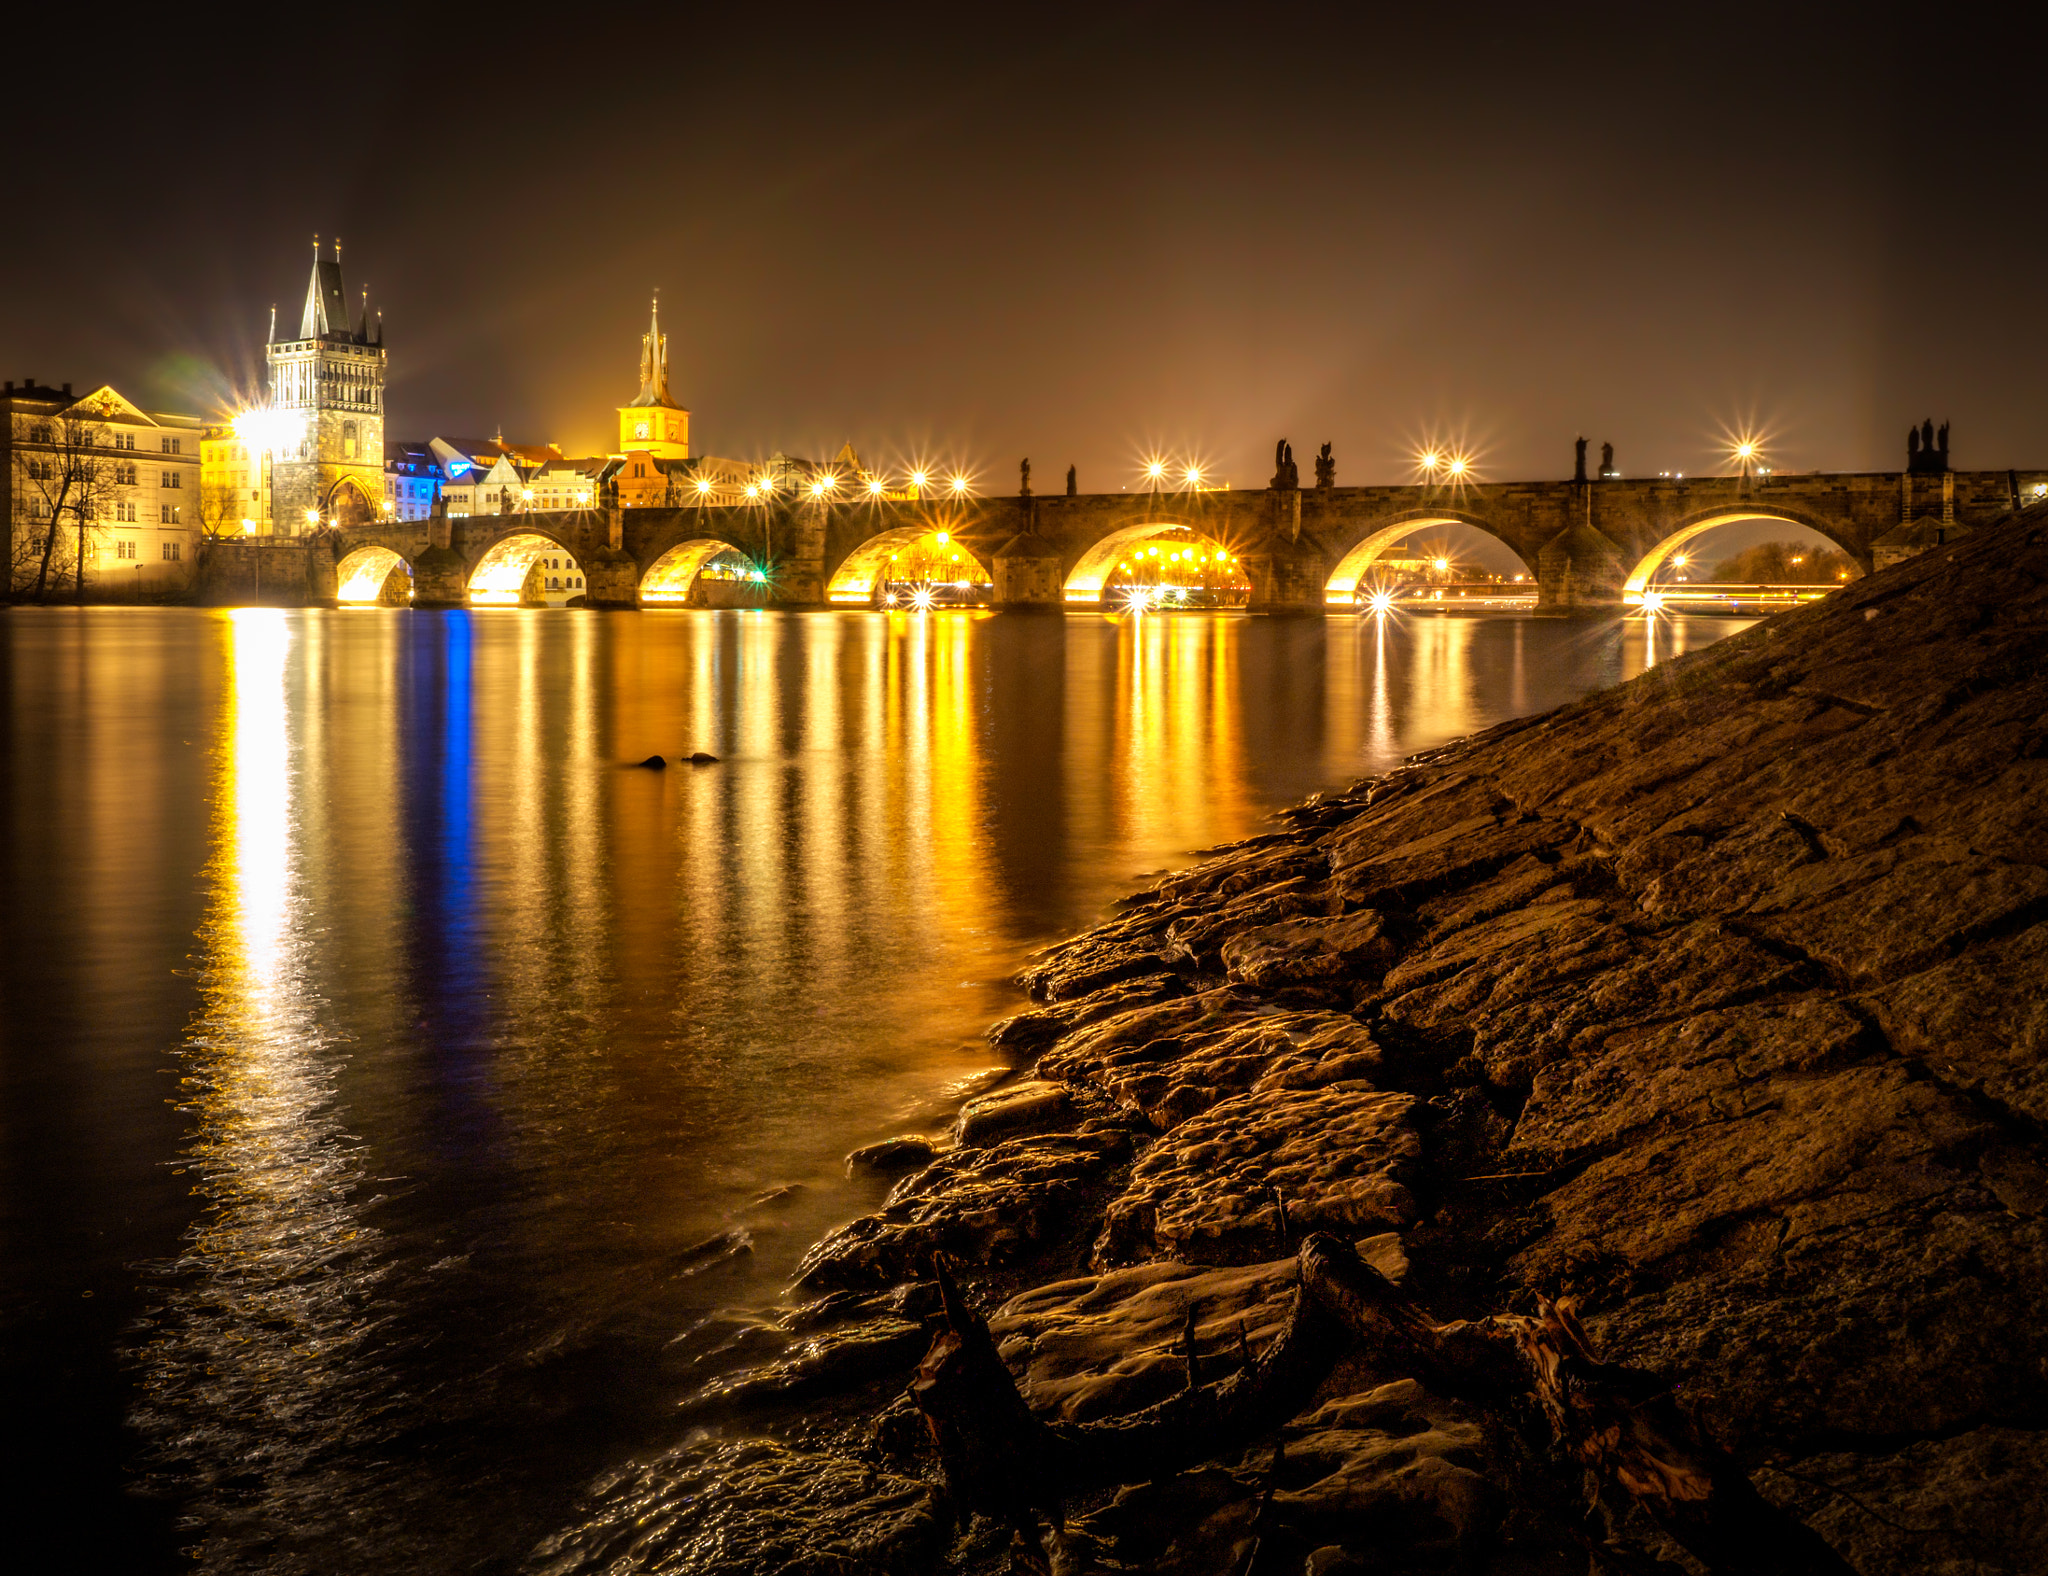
654	362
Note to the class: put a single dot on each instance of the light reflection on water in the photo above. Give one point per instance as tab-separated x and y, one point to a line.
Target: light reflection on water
495	1030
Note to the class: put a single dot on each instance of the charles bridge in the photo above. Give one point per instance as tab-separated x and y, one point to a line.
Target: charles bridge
1591	544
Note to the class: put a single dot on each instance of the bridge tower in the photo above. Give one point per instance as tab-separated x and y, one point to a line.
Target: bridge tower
327	390
653	423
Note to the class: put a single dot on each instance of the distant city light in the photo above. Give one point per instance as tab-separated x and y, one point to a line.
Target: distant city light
918	479
1431	460
1458	466
922	599
1194	476
704	485
876	486
1443	565
1653	601
958	483
1678	559
753	489
1382	601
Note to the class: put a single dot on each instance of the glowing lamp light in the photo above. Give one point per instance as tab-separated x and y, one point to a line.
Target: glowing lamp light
919	478
312	517
876	486
1458	467
1382	602
1194	475
958	483
1678	559
527	494
1155	470
753	489
1431	460
828	481
1443	566
944	538
1653	601
817	489
703	485
921	599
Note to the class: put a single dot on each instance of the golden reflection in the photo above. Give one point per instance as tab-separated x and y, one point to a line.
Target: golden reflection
256	1364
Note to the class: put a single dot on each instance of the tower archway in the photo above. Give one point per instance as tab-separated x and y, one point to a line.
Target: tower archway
349	504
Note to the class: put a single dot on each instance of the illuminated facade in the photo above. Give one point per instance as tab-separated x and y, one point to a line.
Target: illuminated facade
142	500
234	483
327	410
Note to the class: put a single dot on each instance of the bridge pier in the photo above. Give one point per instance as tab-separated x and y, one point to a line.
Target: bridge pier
1579	572
440	578
1028	573
611	578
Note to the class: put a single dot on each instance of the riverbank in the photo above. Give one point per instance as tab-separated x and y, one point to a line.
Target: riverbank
1713	1002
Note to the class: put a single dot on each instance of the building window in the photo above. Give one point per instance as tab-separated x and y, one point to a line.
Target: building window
163	514
348	440
124	549
170	445
39	433
173	479
171	552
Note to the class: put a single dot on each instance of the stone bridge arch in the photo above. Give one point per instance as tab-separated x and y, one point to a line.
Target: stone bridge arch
1370	541
1647	565
1094	563
361	576
672	572
853	579
503	564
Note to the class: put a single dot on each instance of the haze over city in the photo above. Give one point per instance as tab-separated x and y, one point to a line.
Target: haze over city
1084	234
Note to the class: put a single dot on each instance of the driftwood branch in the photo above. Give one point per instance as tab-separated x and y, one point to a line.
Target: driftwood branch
1620	1422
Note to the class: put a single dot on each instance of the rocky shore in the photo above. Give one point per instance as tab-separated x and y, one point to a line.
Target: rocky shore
1714	1004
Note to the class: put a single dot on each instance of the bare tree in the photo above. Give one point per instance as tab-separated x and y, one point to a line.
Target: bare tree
67	465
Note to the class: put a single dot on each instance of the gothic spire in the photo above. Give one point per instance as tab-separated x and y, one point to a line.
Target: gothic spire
654	362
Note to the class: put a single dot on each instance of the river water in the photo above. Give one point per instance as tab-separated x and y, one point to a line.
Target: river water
379	1046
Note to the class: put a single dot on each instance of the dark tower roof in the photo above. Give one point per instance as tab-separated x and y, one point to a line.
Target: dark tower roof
326	312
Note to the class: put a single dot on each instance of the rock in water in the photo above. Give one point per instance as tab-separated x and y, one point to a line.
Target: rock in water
653	763
700	758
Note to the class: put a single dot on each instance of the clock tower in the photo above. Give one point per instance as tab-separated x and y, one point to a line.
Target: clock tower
654	423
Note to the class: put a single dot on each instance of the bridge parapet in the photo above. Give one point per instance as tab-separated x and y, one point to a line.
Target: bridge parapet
1588	545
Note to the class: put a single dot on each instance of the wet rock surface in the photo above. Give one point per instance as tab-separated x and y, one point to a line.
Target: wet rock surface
1715	1002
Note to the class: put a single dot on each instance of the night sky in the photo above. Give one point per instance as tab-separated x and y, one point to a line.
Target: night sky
1077	235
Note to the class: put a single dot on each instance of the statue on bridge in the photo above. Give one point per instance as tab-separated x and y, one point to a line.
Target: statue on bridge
1579	470
1286	476
1326	468
1072	484
1024	477
1607	471
1927	450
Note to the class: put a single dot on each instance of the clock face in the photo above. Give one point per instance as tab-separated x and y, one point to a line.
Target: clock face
640	431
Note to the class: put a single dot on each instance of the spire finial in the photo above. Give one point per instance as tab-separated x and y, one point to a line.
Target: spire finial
316	246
